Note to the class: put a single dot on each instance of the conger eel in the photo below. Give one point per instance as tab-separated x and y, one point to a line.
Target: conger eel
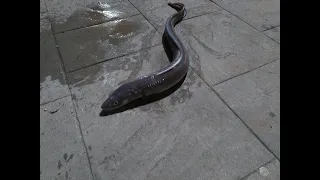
161	80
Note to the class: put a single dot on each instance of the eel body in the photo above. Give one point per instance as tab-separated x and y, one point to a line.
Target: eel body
162	79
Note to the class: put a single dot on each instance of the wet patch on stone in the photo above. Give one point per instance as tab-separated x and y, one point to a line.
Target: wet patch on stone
67	16
52	81
87	46
131	64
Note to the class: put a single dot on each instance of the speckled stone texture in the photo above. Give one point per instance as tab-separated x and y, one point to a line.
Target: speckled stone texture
222	121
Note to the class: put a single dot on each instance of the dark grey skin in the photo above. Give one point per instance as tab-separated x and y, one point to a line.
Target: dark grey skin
158	81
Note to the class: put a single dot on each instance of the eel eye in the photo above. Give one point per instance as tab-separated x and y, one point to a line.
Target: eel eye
115	103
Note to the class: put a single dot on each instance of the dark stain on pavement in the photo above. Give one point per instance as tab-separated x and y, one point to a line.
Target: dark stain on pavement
59	164
272	114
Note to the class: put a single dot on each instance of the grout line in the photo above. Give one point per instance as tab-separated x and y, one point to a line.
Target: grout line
245	21
256	170
264	32
143	15
184	19
73	103
91	25
237	116
59	53
71	71
270	38
202	14
237	76
106	60
82	138
235	15
187	18
41	104
244	73
271	28
273	39
65	72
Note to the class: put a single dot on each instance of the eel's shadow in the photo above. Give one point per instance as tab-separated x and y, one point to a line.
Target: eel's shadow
151	98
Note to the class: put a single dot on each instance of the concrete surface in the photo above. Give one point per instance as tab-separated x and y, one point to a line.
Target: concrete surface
157	11
72	14
274	33
260	14
52	80
224	46
42	6
255	97
269	171
87	46
61	150
222	123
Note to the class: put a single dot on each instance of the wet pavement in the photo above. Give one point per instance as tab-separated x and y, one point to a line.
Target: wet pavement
223	122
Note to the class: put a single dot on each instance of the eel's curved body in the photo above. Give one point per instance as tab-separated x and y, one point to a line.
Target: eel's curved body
161	80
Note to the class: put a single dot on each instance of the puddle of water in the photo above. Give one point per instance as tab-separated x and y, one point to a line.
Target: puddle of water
100	42
121	29
91	14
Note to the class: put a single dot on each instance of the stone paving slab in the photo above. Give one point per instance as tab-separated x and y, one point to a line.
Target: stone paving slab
158	11
43	12
61	150
188	135
262	14
42	6
274	33
271	171
87	46
71	14
255	97
223	46
52	81
92	84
